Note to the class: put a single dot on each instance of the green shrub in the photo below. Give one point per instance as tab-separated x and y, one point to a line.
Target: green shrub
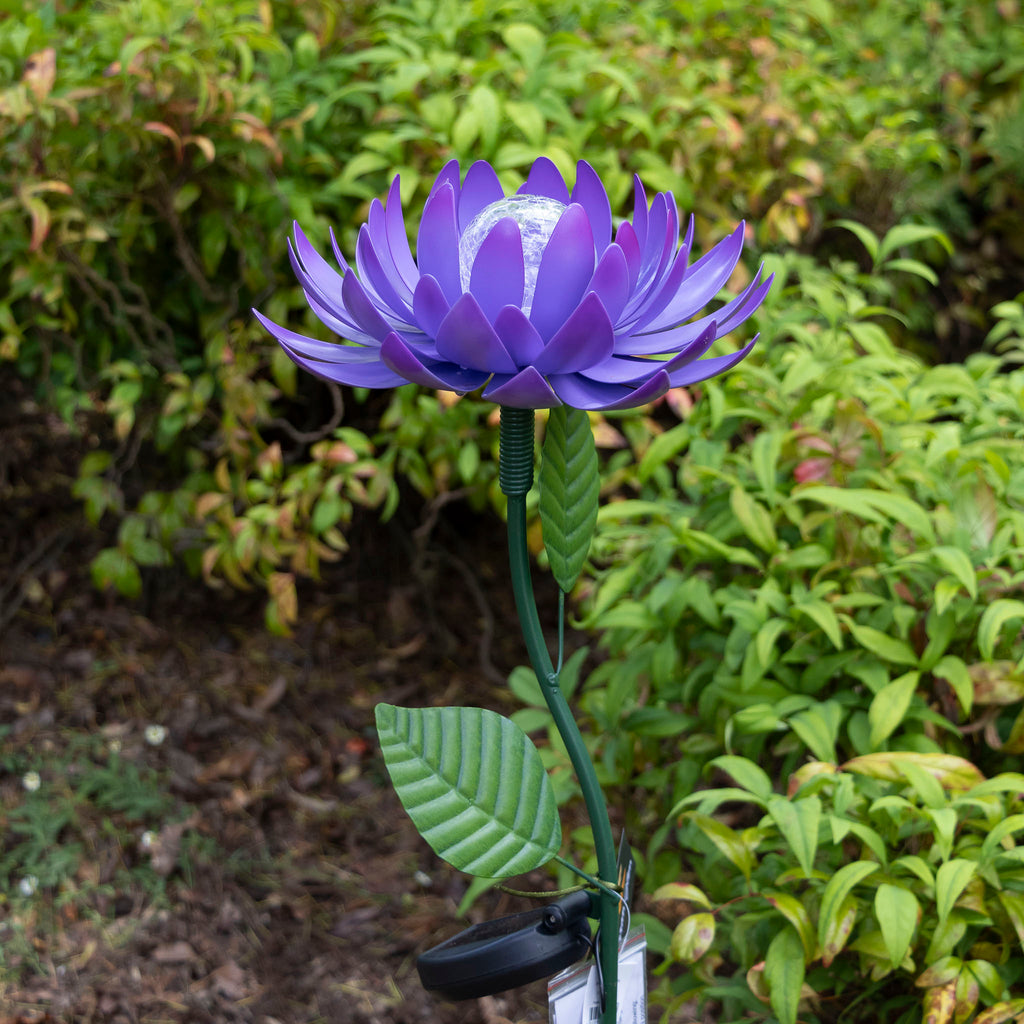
889	890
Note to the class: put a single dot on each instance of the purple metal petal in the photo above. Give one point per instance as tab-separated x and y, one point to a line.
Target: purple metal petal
334	302
584	339
429	305
377	227
356	375
544	180
702	369
619	369
363	311
377	277
660	294
591	195
451	175
733	313
445	376
498	276
639	212
466	338
611	281
654	244
480	189
518	336
437	244
398	237
703	282
566	268
338	254
329	318
321	274
318	349
579	392
526	390
626	240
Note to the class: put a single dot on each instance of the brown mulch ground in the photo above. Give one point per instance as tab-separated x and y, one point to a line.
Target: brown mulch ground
295	890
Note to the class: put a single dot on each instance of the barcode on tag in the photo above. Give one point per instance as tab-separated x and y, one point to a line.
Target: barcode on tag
595	1013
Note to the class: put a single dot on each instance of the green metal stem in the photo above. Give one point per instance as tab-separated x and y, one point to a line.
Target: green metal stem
516	478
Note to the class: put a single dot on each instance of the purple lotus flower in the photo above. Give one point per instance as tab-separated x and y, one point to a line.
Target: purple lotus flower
527	294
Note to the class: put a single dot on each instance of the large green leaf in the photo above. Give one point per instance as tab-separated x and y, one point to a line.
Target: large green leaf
474	786
569	491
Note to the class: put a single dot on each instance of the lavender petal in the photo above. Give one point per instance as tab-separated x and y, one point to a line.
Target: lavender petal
399	357
437	243
564	272
702	369
544	180
579	392
591	195
480	189
429	305
466	338
518	335
498	276
584	339
526	390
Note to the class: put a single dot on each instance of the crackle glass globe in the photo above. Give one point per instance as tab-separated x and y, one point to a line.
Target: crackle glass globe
536	217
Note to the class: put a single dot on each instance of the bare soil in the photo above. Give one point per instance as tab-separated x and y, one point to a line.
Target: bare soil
291	886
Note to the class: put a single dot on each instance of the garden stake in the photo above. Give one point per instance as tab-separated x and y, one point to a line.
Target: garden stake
516	478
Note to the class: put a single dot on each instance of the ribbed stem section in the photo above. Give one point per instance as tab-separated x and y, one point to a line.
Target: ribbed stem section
515	451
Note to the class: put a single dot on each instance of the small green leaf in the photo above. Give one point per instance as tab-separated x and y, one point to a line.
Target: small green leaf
840	885
954	671
798	821
897	911
796	914
682	891
784	971
837	929
745	773
569	492
728	842
889	705
995	616
754	518
950	881
693	937
886	647
474	786
953	772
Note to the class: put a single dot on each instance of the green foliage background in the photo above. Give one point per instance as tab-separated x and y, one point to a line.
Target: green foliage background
816	560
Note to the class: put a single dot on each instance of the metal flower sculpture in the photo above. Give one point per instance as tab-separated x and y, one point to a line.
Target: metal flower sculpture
526	295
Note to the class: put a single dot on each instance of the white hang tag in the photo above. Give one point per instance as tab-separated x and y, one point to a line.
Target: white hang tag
574	997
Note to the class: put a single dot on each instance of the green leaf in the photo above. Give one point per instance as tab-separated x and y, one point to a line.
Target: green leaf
954	671
784	971
999	1013
836	930
745	773
798	821
818	729
950	881
957	563
865	234
840	885
910	234
754	518
897	910
915	267
875	506
889	705
999	832
692	937
1013	904
889	648
796	914
822	613
474	786
569	492
952	772
995	616
728	842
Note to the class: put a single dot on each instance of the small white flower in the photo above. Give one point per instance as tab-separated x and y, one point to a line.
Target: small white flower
114	746
423	879
31	781
148	839
155	735
28	885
